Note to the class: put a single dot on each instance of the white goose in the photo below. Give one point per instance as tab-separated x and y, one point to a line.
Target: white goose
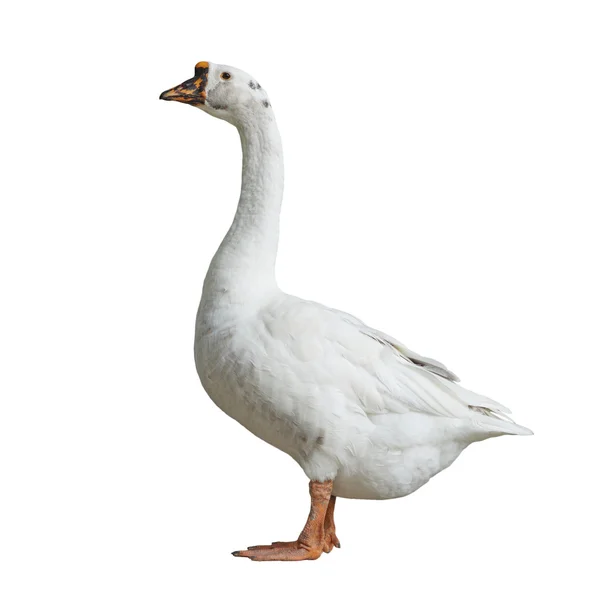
364	416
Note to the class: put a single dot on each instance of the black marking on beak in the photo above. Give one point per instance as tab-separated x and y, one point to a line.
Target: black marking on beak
192	91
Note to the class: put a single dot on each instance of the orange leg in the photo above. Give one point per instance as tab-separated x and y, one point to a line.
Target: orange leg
331	539
318	535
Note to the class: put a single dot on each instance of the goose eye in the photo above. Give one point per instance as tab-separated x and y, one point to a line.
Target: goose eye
225	75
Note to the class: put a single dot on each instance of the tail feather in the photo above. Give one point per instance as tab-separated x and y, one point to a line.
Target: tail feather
498	422
489	415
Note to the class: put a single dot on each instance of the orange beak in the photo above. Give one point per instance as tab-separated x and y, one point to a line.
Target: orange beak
192	91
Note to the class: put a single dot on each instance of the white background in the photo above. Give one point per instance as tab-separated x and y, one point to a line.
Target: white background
441	184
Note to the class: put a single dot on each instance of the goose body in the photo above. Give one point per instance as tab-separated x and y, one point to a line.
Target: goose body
364	416
342	399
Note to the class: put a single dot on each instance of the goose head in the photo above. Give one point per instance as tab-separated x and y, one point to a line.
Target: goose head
221	91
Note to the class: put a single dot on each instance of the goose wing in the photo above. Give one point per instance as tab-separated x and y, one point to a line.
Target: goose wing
373	369
430	364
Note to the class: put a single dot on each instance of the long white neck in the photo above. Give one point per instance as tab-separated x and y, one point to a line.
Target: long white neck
243	269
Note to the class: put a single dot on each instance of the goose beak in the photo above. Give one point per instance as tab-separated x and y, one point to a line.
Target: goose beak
192	91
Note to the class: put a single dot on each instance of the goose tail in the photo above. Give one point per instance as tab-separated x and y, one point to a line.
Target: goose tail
496	422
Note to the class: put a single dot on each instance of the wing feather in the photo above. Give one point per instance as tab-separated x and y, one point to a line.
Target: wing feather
430	364
381	374
426	384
